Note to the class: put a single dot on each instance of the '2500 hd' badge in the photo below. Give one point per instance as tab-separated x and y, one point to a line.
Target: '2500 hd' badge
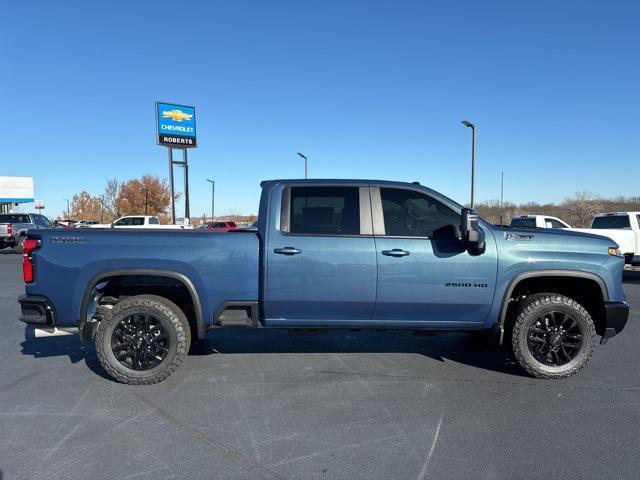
466	285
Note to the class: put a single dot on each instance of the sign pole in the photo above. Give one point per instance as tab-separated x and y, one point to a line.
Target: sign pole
186	185
173	203
176	128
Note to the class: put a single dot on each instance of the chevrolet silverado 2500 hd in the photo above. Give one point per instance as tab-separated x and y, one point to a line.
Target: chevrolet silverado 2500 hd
327	254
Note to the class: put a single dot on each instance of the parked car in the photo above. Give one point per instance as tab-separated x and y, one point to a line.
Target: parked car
538	221
621	227
14	226
328	254
65	223
220	226
86	223
138	221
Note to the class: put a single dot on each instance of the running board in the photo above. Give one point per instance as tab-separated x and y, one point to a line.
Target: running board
55	332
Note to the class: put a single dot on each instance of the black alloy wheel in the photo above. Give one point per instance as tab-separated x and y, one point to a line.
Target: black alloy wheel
140	342
554	339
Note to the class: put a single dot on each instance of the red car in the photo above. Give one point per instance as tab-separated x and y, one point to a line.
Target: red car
219	226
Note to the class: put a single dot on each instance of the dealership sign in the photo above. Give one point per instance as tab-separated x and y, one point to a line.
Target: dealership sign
176	125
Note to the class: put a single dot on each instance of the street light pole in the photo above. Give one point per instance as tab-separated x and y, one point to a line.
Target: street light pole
213	196
101	197
305	165
501	194
473	157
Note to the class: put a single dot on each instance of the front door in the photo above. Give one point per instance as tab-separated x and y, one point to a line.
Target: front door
425	276
321	259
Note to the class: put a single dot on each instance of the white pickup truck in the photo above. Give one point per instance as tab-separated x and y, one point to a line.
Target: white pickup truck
138	221
621	227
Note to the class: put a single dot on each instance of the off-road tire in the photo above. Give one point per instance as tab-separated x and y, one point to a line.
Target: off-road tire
18	246
174	322
533	308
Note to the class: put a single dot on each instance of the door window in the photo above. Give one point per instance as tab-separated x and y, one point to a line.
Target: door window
325	210
124	222
551	223
412	214
38	220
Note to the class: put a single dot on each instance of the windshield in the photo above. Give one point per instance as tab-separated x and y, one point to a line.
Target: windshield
612	221
523	222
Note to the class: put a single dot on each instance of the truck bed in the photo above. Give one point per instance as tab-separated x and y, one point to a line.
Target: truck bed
221	266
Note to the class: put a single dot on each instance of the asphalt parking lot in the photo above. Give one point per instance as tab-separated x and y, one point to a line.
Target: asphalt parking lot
250	404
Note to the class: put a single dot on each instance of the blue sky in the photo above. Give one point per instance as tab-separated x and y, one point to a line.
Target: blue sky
364	88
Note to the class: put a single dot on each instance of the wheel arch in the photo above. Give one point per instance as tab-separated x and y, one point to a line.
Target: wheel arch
553	275
152	272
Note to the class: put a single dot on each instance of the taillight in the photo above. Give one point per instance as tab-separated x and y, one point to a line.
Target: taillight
10	229
28	246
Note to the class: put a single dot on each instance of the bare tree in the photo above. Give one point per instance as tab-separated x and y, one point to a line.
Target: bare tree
111	194
581	208
577	210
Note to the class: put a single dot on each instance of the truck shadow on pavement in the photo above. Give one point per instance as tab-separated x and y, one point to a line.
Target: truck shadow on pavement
444	347
70	346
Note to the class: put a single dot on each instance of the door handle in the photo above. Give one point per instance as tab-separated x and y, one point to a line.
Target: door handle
287	251
395	252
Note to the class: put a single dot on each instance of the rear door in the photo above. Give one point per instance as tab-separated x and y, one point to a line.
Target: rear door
321	258
426	278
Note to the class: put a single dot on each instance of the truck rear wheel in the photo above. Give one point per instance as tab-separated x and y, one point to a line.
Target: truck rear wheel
553	336
18	248
143	340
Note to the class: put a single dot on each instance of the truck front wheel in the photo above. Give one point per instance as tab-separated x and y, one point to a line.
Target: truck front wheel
553	336
143	340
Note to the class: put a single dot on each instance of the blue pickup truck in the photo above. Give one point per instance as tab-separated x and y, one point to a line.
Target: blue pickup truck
327	254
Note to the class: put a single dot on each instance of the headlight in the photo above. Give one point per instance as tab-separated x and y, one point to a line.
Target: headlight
615	252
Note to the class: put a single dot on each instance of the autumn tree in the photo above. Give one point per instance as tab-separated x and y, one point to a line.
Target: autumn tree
148	195
86	207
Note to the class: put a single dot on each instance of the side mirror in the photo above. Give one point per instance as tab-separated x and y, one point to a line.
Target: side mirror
472	234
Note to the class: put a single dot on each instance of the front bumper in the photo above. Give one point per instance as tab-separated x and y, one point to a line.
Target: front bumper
616	315
37	310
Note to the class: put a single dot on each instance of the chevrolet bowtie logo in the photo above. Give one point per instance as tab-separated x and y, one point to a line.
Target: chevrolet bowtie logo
176	115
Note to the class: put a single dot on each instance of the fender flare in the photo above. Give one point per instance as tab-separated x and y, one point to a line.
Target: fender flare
546	273
82	321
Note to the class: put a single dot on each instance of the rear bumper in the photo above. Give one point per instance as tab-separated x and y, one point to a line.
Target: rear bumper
616	315
37	310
